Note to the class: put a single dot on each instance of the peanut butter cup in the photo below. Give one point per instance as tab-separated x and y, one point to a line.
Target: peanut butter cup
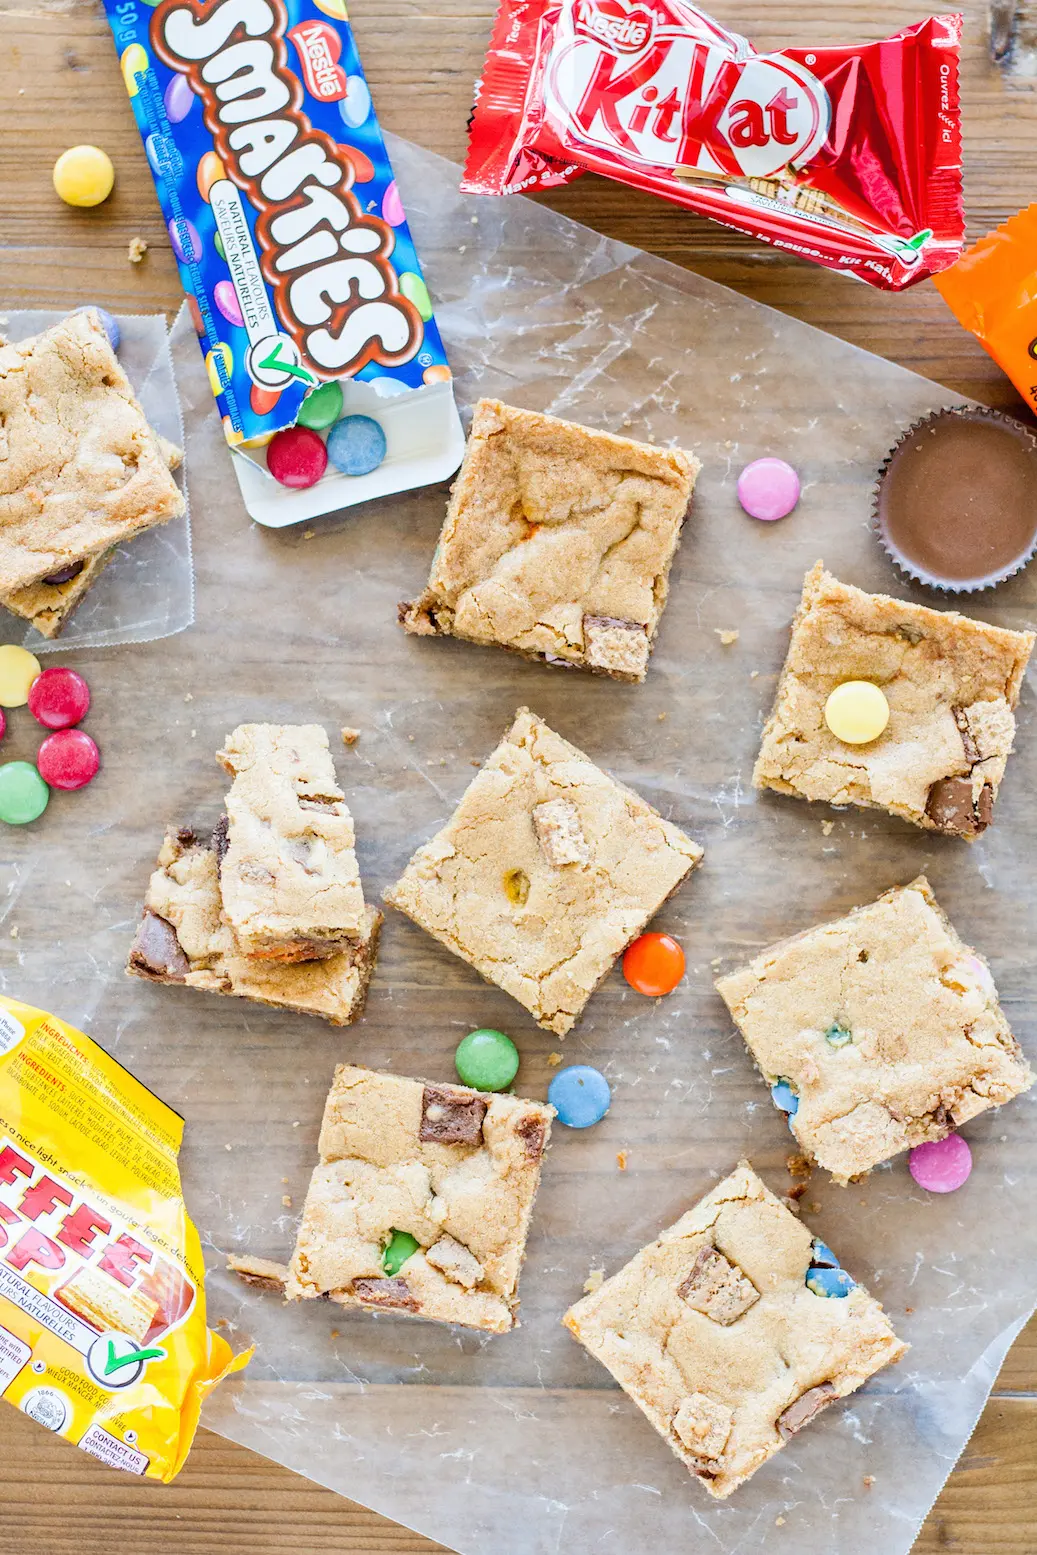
956	500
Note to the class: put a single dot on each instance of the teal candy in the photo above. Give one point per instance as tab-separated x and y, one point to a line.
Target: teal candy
23	793
401	1247
838	1036
487	1060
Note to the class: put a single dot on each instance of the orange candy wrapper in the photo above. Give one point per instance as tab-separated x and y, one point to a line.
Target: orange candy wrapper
992	291
102	1284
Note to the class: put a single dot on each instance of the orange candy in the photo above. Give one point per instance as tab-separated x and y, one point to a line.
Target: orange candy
653	964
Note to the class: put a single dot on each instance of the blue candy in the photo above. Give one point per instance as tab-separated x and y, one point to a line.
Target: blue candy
356	445
822	1257
109	323
838	1036
829	1282
579	1095
784	1096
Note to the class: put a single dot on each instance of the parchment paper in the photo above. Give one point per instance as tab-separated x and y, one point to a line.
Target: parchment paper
147	589
521	1445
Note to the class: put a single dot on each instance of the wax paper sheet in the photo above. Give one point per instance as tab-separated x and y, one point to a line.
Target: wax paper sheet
521	1444
147	589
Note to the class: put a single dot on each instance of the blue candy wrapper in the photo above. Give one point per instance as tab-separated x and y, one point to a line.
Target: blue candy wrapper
291	240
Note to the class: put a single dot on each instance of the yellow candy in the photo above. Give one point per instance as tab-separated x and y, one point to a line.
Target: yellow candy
857	712
210	363
210	171
132	62
18	669
84	175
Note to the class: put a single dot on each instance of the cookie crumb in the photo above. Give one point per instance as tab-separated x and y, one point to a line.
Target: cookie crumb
336	1333
754	674
798	1165
909	1310
727	637
662	718
296	1123
188	697
554	1059
621	1160
827	827
869	1480
350	736
136	251
14	931
815	1208
286	1200
796	1192
308	534
228	1147
594	1281
779	1522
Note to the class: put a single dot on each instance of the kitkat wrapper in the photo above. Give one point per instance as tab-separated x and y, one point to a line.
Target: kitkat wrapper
992	291
102	1296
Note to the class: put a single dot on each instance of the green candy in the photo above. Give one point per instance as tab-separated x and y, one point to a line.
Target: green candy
321	408
23	793
415	291
217	241
487	1060
400	1247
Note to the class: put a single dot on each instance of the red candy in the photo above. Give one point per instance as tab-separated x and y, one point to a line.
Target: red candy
653	964
296	457
59	698
3	724
68	759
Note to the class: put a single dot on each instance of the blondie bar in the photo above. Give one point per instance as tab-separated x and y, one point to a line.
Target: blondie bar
876	1032
546	871
288	870
80	469
733	1330
951	684
557	542
453	1170
182	938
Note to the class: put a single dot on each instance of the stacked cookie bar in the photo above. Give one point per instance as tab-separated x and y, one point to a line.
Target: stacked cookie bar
81	471
269	906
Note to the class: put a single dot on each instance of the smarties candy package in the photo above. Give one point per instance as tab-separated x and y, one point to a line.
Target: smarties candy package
294	250
102	1297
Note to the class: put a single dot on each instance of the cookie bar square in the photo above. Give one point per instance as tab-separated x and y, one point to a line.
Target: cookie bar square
288	870
884	1027
182	938
80	469
951	683
48	603
721	1335
452	1168
557	542
546	871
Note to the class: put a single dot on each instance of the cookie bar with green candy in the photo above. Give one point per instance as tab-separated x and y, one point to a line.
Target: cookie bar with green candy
421	1200
557	542
183	938
289	876
733	1330
877	1032
545	872
951	683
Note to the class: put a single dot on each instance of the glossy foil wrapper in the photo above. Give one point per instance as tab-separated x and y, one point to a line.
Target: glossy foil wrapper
850	157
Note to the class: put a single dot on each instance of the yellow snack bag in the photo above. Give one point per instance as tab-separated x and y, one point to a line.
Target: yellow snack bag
102	1294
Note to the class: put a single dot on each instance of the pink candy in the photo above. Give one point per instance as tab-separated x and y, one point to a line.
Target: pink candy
768	489
296	457
59	698
68	759
942	1166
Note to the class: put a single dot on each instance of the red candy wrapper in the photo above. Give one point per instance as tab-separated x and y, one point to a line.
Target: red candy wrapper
850	156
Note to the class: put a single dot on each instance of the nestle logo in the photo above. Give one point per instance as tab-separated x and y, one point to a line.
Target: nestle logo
610	22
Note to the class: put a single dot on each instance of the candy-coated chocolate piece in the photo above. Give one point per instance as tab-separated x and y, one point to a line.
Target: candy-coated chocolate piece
183	235
487	1060
263	400
784	1096
133	61
210	365
18	669
838	1036
768	489
68	759
653	964
217	243
3	724
210	171
196	315
437	373
362	164
356	445
392	206
322	407
84	175
59	698
401	1246
414	289
109	323
179	99
23	793
829	1282
857	712
296	457
821	1255
226	300
355	107
580	1096
942	1165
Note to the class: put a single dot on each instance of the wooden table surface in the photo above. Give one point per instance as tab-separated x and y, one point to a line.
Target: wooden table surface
59	85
